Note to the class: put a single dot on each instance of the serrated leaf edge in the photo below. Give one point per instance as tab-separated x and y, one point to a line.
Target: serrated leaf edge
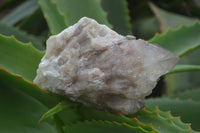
109	122
59	12
176	30
168	119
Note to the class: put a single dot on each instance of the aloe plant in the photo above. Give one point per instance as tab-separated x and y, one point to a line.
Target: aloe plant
26	108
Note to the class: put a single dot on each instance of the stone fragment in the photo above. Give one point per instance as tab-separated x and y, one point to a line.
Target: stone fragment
94	65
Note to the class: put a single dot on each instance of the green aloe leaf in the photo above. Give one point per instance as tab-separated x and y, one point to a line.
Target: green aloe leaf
25	9
16	81
59	107
80	112
102	127
21	35
118	15
189	62
193	95
19	58
55	20
163	122
179	41
20	112
63	113
76	9
170	20
93	114
37	23
150	119
179	82
188	110
184	68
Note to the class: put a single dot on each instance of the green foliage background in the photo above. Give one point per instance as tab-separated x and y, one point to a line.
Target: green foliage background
174	105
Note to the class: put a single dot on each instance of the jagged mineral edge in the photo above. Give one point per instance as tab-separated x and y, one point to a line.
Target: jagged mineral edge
94	65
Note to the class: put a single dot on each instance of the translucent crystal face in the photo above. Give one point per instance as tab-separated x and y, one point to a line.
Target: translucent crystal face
94	65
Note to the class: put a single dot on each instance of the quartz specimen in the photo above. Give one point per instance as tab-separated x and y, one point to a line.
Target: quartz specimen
94	65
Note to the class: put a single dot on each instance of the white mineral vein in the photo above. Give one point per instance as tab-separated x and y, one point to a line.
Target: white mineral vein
96	66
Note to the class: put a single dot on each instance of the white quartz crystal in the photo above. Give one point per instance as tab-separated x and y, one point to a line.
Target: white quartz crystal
94	65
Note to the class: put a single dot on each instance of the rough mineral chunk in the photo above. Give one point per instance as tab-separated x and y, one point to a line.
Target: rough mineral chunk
94	65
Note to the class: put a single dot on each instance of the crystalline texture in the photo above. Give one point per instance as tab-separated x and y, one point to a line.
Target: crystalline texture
94	65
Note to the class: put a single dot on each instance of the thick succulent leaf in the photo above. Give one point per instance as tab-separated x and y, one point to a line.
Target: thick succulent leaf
20	112
25	9
37	23
59	107
29	88
19	58
32	91
184	68
118	15
160	121
191	57
76	9
180	82
102	127
93	114
193	95
63	113
179	41
188	110
80	112
21	36
55	20
170	20
164	122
